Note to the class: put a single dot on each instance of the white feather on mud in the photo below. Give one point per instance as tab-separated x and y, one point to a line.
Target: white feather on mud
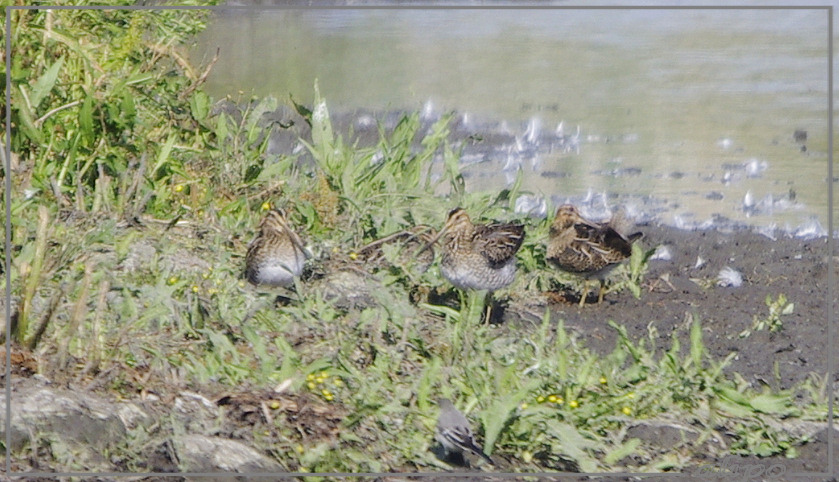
662	253
729	277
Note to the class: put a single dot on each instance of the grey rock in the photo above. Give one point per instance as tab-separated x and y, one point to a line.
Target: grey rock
73	417
200	453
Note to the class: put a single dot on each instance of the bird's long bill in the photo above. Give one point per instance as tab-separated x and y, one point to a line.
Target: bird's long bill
303	249
586	222
433	240
295	239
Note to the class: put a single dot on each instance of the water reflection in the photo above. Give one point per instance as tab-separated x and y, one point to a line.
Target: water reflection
691	116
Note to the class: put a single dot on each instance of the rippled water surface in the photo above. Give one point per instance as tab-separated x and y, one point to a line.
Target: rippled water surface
688	116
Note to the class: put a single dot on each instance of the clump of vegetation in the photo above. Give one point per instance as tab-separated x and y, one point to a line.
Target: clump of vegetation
135	195
777	307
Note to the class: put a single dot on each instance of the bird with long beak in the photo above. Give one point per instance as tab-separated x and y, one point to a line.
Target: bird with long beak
586	248
478	256
276	255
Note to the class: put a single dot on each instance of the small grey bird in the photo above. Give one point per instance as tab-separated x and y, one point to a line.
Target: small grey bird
453	431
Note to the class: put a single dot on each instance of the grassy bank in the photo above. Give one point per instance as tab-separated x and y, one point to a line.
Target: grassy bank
135	195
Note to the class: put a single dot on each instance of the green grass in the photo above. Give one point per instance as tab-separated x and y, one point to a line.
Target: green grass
133	204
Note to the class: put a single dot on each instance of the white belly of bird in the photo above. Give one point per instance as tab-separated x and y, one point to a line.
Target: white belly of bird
480	279
279	274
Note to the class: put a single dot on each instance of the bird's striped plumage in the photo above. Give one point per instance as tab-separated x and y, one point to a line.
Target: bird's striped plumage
478	256
587	248
276	256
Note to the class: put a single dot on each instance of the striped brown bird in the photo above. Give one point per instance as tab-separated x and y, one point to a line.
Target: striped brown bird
276	255
587	248
478	256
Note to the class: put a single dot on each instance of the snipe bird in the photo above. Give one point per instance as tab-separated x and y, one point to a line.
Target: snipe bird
478	256
587	248
276	255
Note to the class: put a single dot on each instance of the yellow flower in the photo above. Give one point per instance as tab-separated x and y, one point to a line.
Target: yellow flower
266	206
311	385
338	382
626	410
179	187
523	406
299	448
573	404
602	380
194	288
353	256
172	280
540	399
274	405
552	398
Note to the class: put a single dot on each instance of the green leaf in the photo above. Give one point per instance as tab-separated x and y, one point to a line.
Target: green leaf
626	449
788	309
128	111
496	418
27	122
86	121
199	105
303	111
697	348
733	396
733	409
252	172
163	155
323	139
45	83
734	402
770	403
222	129
574	444
636	260
275	170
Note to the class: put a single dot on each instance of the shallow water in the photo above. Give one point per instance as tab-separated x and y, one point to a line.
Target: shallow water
688	116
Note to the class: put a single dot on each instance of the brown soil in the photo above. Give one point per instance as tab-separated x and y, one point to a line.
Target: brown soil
795	268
